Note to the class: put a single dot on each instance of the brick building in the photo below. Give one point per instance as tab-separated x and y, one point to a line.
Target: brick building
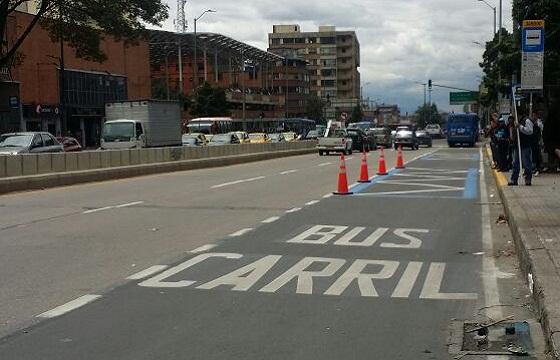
88	85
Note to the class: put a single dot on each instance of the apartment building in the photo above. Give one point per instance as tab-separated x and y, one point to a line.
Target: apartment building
333	58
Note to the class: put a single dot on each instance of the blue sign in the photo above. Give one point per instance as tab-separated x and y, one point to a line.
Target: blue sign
533	36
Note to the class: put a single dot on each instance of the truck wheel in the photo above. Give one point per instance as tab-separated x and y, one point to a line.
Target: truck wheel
350	152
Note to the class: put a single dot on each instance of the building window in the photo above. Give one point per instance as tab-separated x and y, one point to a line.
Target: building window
328	72
328	50
328	83
288	41
329	62
328	40
311	40
300	40
275	41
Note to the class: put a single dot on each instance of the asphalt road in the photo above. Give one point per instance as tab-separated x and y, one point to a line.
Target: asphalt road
250	262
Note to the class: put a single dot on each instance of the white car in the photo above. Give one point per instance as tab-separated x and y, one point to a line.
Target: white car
434	130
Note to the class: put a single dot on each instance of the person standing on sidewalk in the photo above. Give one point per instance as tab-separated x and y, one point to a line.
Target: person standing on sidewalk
536	145
525	127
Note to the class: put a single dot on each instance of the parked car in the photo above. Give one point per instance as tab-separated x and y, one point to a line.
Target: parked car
28	142
290	136
312	135
424	138
190	140
258	138
224	139
406	138
361	140
276	137
363	125
69	144
382	137
434	130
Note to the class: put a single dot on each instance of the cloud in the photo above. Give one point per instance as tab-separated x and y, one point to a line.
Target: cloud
402	41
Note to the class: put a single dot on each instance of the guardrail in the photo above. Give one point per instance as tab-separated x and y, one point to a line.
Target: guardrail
40	171
36	164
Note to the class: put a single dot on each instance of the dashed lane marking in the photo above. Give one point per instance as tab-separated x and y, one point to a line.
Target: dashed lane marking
237	182
312	202
69	306
241	232
270	219
288	172
147	272
113	207
293	210
203	248
325	164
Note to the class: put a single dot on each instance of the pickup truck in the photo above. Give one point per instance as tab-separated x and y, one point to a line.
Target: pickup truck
336	140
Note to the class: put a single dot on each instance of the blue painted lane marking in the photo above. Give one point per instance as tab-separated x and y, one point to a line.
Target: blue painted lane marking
362	187
471	185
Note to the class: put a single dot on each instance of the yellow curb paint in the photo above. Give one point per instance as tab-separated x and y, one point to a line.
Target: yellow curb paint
499	177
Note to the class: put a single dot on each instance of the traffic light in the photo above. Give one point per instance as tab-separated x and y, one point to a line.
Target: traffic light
430	83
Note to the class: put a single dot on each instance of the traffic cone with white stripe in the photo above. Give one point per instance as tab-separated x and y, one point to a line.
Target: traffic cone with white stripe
381	167
342	179
364	175
400	160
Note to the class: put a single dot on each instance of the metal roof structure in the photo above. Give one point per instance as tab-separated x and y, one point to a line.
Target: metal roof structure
164	43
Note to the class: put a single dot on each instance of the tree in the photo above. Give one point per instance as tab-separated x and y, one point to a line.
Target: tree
314	108
159	92
357	114
427	114
209	101
83	24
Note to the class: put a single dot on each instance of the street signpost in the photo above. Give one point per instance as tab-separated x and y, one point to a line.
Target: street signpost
532	58
463	98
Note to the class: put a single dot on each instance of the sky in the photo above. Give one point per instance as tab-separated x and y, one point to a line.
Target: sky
402	41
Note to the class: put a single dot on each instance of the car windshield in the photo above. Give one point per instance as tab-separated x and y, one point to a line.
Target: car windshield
460	120
118	131
275	136
256	136
313	133
189	141
200	128
363	126
337	133
378	131
221	138
22	140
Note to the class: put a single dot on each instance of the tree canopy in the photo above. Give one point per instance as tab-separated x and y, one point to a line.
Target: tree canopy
314	108
83	24
357	114
427	114
209	101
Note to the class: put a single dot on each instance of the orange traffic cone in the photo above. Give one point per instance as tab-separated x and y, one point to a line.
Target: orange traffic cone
400	161
364	176
381	168
342	179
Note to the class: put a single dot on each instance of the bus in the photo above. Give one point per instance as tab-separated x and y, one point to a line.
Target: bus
222	125
462	129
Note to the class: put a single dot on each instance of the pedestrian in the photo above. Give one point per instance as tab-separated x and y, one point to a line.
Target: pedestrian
491	133
523	129
502	145
536	143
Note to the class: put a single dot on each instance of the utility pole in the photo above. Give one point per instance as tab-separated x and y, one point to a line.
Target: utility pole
286	82
430	91
181	29
500	28
62	86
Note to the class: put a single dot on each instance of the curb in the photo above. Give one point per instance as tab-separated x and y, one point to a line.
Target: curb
45	181
536	264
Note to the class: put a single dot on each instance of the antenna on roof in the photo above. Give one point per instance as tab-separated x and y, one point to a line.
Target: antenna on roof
181	23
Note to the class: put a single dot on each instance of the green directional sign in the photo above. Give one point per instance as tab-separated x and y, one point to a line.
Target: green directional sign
463	97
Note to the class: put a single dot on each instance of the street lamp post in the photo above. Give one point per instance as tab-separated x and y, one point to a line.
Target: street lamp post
195	66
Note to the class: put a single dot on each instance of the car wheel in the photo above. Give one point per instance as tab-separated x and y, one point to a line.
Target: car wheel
450	144
350	152
327	153
430	145
321	153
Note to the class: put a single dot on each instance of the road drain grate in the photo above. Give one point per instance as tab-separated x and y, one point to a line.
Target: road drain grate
511	338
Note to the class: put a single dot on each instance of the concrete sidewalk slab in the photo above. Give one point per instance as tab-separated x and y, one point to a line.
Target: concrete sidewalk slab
534	219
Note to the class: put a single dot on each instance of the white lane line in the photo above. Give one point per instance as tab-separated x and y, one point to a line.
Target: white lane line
288	172
241	232
147	272
129	204
489	269
97	210
325	164
237	182
349	158
293	210
312	202
327	196
69	306
203	248
270	219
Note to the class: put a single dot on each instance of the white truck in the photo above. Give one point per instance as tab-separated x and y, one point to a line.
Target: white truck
140	124
336	139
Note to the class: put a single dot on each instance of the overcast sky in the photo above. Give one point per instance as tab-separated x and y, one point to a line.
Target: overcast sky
401	40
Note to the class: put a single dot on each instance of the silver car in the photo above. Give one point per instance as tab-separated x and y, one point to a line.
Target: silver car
29	143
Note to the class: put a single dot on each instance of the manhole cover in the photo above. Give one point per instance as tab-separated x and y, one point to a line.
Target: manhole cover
503	338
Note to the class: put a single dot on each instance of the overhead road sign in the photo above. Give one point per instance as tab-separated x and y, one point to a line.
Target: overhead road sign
532	58
463	97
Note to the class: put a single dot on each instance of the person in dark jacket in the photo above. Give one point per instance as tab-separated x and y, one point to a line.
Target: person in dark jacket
502	145
551	138
525	127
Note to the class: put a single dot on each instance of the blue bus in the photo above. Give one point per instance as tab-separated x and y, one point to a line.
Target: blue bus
462	129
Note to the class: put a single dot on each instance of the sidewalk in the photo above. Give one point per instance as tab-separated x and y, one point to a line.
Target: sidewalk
534	218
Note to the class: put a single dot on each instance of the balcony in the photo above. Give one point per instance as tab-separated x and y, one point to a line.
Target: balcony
237	97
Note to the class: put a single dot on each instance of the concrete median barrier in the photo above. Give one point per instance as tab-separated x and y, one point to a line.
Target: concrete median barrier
39	171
